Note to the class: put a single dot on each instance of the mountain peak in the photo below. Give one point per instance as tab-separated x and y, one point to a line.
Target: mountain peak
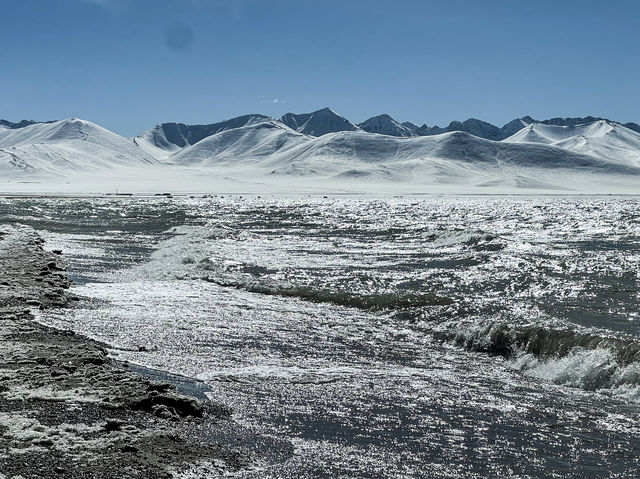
385	125
251	142
166	138
318	123
65	146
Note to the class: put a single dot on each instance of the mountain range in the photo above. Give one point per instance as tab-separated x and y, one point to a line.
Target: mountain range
326	121
322	145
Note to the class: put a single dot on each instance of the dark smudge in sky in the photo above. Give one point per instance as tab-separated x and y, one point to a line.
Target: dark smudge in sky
178	36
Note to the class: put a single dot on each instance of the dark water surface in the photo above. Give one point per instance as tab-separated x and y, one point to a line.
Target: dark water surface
385	337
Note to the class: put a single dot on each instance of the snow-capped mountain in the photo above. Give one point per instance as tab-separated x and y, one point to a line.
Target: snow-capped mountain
514	126
255	149
318	123
66	147
271	148
167	138
243	145
385	125
488	131
363	155
608	141
473	126
574	121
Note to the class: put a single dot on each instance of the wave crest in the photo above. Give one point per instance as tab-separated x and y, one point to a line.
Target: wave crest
589	360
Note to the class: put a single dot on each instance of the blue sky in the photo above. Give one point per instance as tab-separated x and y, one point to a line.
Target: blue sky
128	64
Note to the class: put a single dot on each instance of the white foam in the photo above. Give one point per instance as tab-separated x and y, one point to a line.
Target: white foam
581	368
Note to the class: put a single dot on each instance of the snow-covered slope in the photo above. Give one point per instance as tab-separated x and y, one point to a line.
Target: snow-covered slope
318	123
66	147
164	139
610	142
574	121
362	154
271	149
385	125
549	134
156	141
246	145
412	126
267	152
514	126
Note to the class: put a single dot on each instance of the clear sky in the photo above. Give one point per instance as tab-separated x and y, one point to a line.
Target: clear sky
129	64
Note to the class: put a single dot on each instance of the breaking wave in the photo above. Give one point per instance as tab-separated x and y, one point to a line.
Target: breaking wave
560	352
589	360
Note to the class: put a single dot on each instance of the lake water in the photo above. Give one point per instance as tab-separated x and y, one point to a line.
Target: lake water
410	337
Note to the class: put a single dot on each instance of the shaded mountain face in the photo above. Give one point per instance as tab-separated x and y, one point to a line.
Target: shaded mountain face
491	132
164	139
410	125
20	124
183	135
478	128
385	125
318	123
245	145
514	126
570	121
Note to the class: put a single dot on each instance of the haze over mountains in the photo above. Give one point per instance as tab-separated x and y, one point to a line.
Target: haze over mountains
572	154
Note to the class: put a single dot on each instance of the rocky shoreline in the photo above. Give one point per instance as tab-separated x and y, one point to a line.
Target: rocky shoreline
69	410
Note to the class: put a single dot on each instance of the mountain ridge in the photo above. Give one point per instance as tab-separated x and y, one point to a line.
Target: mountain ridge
182	135
66	146
285	151
21	124
385	125
175	136
317	123
172	136
262	150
